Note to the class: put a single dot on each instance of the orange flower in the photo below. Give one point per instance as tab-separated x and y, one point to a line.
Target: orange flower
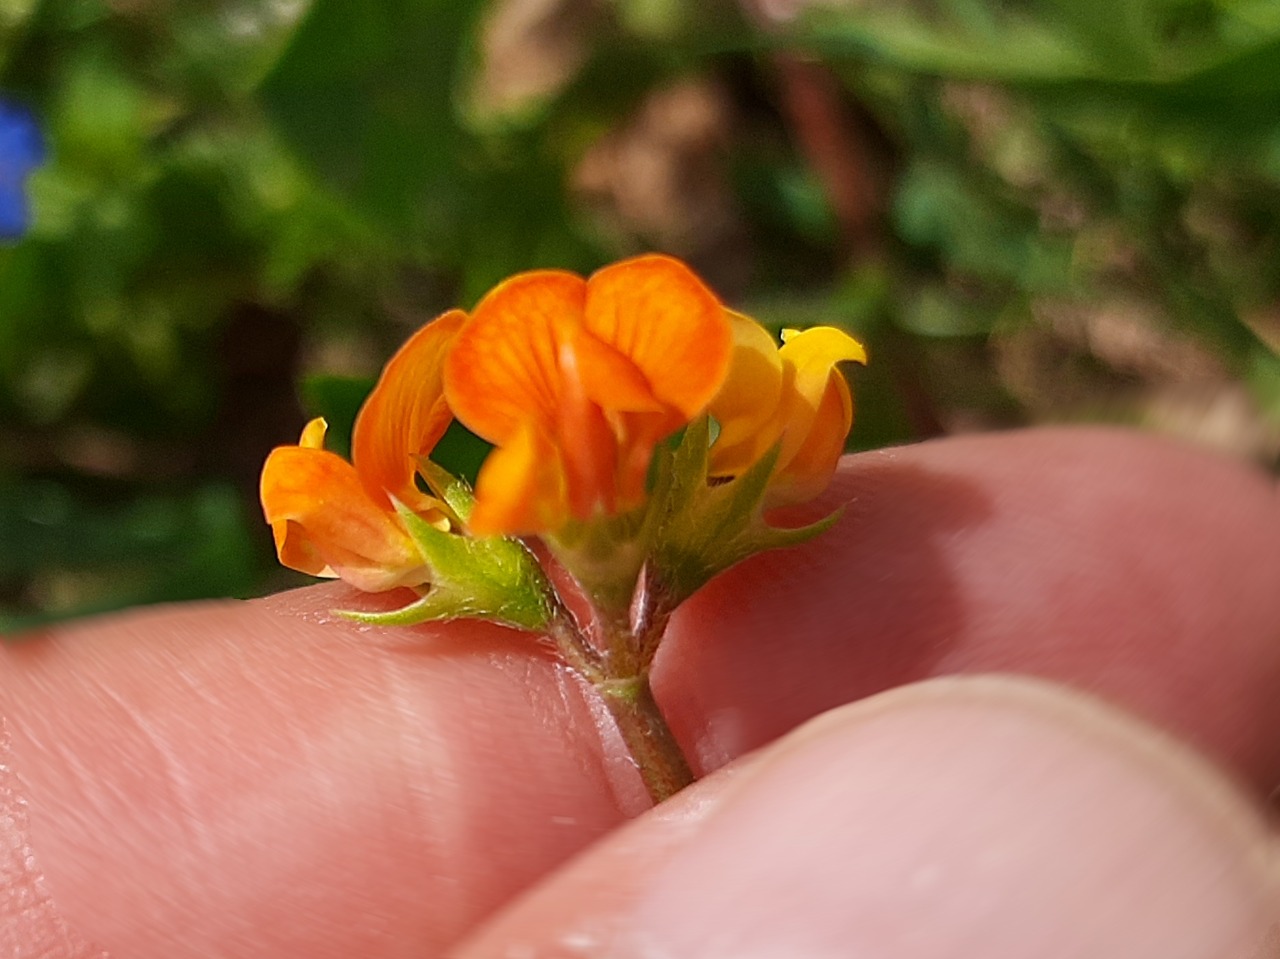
334	518
794	396
577	381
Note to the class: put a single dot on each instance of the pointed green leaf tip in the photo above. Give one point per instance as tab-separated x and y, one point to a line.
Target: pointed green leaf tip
493	577
708	526
452	490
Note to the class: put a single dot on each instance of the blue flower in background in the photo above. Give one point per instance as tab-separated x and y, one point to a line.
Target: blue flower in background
21	151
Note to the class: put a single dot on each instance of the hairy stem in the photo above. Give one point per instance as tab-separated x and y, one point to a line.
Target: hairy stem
620	674
647	736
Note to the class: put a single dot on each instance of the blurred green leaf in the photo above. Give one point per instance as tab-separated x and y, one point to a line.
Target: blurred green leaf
363	90
1100	63
1024	51
13	17
82	557
338	399
228	46
980	230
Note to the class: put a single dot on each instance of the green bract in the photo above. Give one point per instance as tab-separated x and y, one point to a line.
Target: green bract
493	578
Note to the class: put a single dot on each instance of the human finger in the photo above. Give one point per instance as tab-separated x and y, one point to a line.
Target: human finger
266	772
1141	570
953	818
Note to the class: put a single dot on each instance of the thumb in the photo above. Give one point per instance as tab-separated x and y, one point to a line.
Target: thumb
978	817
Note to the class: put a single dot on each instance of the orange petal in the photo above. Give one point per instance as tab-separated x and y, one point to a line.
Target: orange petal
606	377
325	523
586	376
589	438
521	488
296	551
809	469
292	545
405	415
747	406
639	433
503	371
657	313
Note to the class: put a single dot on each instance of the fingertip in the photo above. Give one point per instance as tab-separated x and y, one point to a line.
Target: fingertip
205	777
991	817
1132	566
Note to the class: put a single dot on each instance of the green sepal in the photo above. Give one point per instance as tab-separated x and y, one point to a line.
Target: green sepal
453	491
604	556
427	609
707	526
494	578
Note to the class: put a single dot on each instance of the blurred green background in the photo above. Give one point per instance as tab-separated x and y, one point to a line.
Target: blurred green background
1052	211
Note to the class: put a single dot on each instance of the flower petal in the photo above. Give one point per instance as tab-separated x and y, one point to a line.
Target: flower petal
586	441
405	415
747	406
587	377
21	150
809	358
521	488
325	523
809	469
657	313
606	377
504	369
313	434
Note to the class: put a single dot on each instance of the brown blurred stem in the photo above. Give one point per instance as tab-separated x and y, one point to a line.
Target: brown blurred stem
620	674
837	151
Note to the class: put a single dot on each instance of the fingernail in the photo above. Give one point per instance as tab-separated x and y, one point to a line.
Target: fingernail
983	817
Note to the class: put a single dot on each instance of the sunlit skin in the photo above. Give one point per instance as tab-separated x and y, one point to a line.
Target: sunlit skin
257	778
334	518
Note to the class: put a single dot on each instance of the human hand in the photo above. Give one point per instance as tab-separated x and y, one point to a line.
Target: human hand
264	780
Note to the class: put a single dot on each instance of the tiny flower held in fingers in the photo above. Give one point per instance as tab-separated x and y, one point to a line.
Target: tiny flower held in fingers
326	523
368	521
641	430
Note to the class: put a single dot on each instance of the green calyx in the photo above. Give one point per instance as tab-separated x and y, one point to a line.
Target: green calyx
604	556
493	578
693	527
707	526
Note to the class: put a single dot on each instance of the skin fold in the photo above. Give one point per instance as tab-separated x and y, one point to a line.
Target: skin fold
263	779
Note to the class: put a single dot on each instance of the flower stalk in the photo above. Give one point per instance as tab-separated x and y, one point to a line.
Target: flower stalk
644	730
618	671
